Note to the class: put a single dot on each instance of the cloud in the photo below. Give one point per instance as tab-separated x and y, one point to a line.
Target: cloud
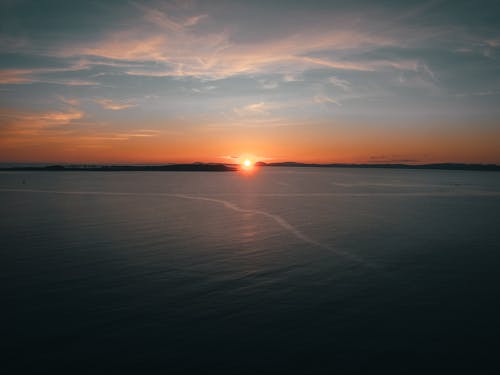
478	93
194	20
323	99
425	71
179	41
257	109
165	21
215	56
42	118
203	89
23	129
58	118
493	42
159	18
292	77
15	124
141	133
69	101
15	76
340	83
268	84
72	82
27	76
13	44
179	49
113	105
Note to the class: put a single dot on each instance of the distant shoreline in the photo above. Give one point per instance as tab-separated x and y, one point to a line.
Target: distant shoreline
434	166
215	167
196	167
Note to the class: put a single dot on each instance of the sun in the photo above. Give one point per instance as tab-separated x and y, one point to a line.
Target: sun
247	164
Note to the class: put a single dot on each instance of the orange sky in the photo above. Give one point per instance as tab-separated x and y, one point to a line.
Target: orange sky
343	144
159	82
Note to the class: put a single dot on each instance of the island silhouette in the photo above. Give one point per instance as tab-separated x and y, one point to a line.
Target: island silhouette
194	167
445	166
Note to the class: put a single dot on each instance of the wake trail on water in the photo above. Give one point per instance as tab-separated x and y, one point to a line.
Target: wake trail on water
281	222
278	219
231	206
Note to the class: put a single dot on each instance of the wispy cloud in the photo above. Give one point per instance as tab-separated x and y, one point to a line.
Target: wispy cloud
163	42
255	108
16	124
58	117
48	118
114	105
20	128
340	83
260	108
43	118
165	21
174	43
69	101
26	76
141	133
15	76
268	84
292	77
478	93
493	42
323	99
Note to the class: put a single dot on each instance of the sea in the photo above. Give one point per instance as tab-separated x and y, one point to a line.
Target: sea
277	270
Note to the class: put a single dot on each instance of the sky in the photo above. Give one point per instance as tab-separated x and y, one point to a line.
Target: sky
215	81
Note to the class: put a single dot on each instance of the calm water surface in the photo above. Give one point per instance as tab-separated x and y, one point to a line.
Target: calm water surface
288	270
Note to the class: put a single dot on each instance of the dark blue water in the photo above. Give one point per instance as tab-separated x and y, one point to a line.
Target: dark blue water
310	271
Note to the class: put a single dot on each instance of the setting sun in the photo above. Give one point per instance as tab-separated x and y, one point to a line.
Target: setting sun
247	165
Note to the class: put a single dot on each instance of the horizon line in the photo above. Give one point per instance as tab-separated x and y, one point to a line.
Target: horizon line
263	163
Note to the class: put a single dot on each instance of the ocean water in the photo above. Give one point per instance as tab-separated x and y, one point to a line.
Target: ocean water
286	270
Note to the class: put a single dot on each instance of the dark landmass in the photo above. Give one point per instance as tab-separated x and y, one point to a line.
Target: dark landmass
443	166
195	167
